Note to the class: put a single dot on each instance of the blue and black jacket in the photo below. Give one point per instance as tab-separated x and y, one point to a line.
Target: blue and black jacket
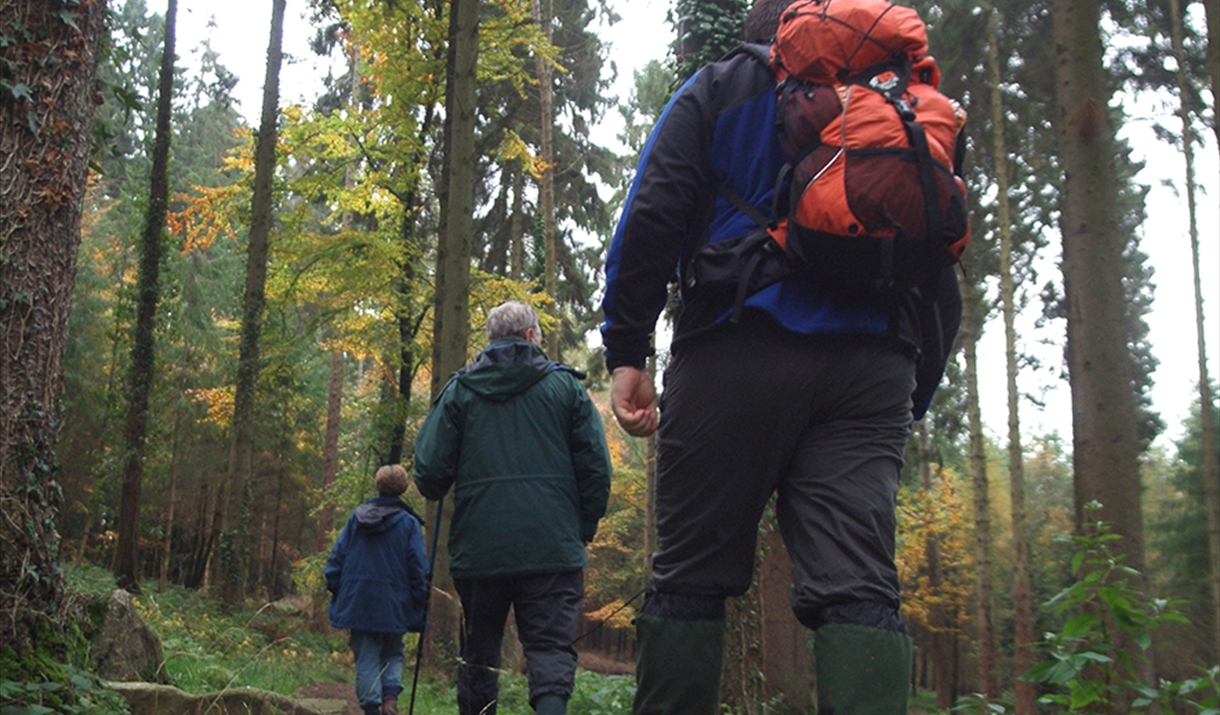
377	573
719	129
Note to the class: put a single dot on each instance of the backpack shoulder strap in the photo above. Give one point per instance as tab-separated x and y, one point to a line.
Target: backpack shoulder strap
757	50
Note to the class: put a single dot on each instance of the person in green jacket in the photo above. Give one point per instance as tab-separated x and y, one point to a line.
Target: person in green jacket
522	445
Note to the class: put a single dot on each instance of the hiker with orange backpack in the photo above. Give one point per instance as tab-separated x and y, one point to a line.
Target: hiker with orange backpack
813	230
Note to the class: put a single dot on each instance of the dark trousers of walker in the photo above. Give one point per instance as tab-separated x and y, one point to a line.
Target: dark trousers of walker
546	607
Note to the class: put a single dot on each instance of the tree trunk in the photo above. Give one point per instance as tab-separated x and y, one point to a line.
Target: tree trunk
942	639
516	229
1105	440
451	315
1026	694
974	313
330	450
241	455
546	183
46	112
1105	436
143	352
168	544
1207	417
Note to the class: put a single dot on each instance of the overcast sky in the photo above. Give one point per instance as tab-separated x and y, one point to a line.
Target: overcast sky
240	35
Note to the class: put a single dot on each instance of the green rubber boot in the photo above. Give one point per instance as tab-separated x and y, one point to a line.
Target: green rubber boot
677	669
862	670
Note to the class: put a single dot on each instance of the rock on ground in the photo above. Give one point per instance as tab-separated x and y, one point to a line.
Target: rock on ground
125	648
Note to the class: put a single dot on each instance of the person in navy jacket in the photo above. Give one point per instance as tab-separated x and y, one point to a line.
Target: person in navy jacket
378	579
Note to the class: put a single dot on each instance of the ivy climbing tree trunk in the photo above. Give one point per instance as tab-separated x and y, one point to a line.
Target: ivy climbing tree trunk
241	455
143	345
47	98
1207	417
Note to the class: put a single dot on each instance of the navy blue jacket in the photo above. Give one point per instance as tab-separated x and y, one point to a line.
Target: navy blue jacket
378	570
719	129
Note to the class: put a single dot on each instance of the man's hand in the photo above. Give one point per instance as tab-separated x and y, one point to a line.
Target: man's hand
634	400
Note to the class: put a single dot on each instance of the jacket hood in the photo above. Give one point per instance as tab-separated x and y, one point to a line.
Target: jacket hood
508	368
377	514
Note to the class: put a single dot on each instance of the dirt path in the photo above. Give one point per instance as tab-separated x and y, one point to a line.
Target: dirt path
333	691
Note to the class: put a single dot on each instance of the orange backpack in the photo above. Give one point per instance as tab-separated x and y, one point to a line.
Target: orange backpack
873	148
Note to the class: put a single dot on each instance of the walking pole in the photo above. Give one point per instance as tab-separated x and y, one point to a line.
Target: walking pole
419	649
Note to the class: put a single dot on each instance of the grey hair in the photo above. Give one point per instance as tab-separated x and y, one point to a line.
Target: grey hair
510	320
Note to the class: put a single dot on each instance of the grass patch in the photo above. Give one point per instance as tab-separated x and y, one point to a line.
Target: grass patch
207	648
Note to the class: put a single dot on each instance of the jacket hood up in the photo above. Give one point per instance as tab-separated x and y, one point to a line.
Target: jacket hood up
379	513
508	368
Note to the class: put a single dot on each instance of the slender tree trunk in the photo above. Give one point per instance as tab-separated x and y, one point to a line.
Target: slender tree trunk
143	352
241	455
1023	625
546	185
45	133
974	312
516	230
1207	417
330	449
168	543
942	639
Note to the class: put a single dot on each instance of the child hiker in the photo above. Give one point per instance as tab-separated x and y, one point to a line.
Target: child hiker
377	577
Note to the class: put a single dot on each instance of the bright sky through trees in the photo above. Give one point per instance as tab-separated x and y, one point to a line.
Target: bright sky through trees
240	37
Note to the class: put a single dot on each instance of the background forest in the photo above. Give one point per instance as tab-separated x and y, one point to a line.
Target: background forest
260	316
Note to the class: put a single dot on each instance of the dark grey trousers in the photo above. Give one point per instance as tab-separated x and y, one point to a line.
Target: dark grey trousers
750	410
546	607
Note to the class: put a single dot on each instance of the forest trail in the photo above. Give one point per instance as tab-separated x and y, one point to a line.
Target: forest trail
325	696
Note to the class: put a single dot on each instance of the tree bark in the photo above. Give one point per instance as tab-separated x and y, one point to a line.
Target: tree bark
46	111
1207	416
143	347
546	184
942	639
241	455
330	450
1105	439
974	313
451	314
1026	694
1105	434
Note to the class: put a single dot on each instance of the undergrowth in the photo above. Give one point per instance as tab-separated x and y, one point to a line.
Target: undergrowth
207	648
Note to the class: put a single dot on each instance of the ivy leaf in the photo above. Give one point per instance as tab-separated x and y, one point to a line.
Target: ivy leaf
19	91
69	19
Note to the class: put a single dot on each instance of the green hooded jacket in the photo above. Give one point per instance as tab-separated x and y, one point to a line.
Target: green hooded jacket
521	442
